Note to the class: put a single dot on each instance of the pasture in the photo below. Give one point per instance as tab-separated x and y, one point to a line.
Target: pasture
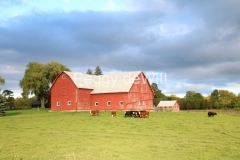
32	134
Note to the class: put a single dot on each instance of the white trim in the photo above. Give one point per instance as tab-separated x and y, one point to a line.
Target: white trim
120	103
96	103
139	103
58	103
69	103
108	103
143	102
63	76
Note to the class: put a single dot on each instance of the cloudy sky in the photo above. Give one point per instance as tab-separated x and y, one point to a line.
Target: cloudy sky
180	44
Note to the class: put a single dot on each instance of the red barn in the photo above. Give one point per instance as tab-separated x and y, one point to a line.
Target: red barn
173	106
73	91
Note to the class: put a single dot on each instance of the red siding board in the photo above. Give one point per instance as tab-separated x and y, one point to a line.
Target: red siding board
64	90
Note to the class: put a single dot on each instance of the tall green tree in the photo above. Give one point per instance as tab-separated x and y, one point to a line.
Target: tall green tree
7	93
9	98
227	99
3	99
194	100
3	102
199	100
98	71
190	94
215	95
158	96
38	78
89	71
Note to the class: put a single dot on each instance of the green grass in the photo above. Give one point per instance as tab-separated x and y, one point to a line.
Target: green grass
32	134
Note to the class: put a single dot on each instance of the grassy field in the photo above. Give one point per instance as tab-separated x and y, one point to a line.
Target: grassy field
32	134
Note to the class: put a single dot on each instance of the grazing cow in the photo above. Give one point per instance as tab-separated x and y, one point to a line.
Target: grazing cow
113	113
131	113
94	113
211	114
143	114
128	114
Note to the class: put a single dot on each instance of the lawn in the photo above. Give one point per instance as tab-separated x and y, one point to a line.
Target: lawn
33	134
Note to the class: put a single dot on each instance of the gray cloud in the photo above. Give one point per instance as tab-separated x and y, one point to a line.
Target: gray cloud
193	42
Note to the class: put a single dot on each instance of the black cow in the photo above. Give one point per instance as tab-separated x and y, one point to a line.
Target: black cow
131	114
211	114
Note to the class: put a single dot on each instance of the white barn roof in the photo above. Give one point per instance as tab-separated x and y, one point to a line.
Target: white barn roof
166	103
109	83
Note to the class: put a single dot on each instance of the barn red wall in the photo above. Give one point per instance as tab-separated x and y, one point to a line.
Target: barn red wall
140	96
114	98
83	101
64	90
176	107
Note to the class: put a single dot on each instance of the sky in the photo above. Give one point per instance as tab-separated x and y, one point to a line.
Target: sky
182	45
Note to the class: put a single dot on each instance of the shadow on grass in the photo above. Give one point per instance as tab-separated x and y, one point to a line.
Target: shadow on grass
13	113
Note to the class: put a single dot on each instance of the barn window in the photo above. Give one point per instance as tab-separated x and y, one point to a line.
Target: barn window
139	103
69	103
63	76
58	103
96	103
121	103
108	103
143	103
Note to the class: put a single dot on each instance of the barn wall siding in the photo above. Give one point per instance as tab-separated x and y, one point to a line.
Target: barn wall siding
140	96
83	99
63	91
113	98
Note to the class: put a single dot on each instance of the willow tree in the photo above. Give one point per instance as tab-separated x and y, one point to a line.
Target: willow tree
38	79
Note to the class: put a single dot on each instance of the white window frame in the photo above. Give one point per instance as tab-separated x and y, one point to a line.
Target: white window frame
96	104
69	103
120	103
108	103
63	76
143	102
139	103
58	103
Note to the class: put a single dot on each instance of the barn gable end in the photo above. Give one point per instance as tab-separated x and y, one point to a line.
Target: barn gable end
140	95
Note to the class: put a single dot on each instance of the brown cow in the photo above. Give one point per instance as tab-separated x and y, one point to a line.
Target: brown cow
143	114
113	113
94	113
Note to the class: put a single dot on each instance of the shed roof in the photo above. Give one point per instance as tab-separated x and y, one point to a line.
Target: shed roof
109	83
166	103
36	103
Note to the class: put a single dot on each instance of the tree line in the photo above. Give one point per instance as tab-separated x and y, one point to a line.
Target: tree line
39	77
36	81
218	99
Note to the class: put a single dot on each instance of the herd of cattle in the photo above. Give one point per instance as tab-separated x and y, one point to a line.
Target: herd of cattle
137	114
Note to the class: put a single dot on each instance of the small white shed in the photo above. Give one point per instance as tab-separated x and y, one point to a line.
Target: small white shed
173	106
